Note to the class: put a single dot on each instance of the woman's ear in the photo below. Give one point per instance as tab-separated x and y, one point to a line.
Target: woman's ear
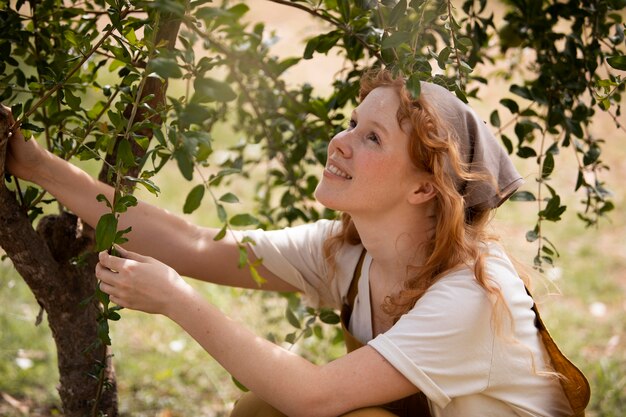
422	192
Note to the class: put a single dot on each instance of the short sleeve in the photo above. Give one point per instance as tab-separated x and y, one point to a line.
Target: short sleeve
444	345
296	255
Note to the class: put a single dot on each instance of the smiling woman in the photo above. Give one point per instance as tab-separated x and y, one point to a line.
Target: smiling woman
437	318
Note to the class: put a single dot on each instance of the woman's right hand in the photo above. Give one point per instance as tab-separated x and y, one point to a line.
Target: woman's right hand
24	158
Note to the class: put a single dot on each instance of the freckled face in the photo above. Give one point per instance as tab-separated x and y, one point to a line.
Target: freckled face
368	168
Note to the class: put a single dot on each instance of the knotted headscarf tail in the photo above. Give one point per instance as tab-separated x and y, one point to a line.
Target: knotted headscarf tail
478	147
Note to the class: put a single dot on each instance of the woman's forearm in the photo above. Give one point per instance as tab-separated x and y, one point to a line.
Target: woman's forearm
283	379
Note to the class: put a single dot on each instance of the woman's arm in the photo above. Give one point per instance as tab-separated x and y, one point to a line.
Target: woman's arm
187	248
287	381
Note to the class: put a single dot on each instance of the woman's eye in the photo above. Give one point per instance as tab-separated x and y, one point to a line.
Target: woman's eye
373	137
351	124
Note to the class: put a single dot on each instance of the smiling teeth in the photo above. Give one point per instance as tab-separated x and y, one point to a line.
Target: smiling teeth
338	172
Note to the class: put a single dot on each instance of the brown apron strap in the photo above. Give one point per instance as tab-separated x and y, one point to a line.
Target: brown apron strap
413	406
573	381
352	343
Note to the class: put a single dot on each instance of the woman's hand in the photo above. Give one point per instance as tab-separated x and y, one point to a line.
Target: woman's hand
139	282
23	158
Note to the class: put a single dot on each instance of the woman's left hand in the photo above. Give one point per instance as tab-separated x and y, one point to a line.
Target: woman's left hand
139	282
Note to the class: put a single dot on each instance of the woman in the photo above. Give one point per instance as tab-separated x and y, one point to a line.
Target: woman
439	308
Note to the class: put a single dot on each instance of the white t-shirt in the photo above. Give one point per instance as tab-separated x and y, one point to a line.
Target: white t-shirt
446	345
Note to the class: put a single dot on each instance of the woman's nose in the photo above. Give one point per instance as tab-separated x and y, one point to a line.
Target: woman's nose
341	144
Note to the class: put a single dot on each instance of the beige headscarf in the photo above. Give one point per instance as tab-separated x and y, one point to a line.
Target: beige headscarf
479	148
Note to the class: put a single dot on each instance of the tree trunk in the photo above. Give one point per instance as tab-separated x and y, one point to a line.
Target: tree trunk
43	259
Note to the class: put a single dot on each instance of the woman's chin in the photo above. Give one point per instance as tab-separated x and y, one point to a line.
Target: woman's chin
326	200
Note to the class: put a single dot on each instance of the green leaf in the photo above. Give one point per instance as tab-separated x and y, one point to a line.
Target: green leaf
547	166
553	209
256	276
125	154
507	143
220	235
532	235
395	40
292	319
523	196
526	152
106	230
239	384
102	296
221	213
124	202
617	62
591	155
244	219
580	180
103	332
208	89
286	64
291	338
119	237
397	12
16	109
114	316
185	163
194	198
31	127
71	100
239	10
317	331
164	67
414	86
146	183
194	113
510	104
344	9
101	198
442	59
229	198
495	118
606	207
310	47
243	256
523	92
223	173
329	316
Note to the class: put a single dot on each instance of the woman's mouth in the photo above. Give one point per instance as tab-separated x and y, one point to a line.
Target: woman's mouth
336	171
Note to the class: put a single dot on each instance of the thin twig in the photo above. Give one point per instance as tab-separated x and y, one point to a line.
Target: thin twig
457	55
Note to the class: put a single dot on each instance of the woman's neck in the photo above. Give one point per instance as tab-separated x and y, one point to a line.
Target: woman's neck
395	243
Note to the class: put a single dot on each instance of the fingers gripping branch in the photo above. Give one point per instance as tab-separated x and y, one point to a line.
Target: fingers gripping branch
4	139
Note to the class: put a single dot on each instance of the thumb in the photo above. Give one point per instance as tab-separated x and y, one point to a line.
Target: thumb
125	253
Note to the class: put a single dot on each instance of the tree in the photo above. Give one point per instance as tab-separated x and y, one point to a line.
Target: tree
90	80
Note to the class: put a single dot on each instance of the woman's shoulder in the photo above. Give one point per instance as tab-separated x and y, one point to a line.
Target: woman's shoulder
460	287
